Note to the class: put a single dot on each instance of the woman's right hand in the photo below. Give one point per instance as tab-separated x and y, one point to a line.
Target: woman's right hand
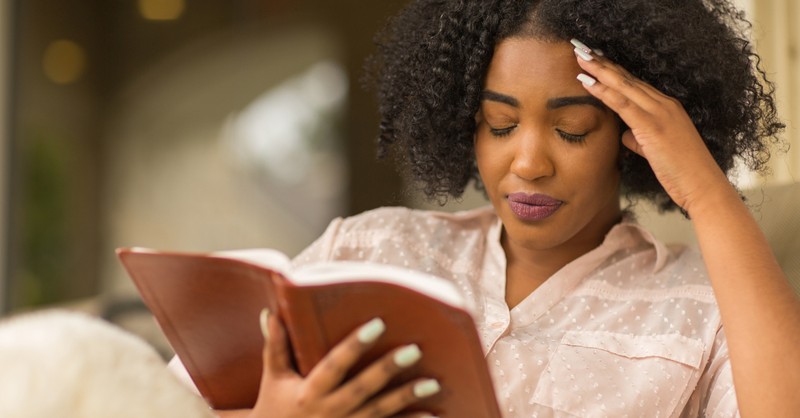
324	392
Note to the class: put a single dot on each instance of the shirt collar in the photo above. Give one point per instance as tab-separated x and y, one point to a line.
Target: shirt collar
630	234
626	234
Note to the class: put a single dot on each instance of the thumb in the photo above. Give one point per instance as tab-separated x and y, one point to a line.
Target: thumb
629	140
275	356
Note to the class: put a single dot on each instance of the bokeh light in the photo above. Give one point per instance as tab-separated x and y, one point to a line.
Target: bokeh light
161	9
64	61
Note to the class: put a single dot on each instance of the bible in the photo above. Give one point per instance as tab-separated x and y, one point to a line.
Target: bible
208	305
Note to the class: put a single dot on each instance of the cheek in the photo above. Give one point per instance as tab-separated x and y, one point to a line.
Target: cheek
482	155
489	163
605	172
598	165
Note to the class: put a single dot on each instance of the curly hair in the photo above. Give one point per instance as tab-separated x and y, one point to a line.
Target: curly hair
433	56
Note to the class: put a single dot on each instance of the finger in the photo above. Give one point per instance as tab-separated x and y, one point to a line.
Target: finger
400	398
630	111
591	61
276	355
629	140
620	80
628	78
331	370
375	377
586	55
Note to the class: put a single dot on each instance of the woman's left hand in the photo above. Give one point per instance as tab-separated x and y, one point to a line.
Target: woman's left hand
756	302
660	131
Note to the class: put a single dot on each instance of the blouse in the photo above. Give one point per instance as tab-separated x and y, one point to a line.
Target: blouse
629	329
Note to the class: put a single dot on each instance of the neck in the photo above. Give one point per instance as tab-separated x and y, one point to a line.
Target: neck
528	267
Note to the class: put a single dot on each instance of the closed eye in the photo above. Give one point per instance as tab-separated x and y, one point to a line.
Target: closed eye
570	137
502	131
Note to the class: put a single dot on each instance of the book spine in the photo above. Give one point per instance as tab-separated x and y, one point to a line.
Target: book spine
301	318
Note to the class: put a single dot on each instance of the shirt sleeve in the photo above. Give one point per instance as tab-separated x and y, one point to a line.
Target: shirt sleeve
715	395
322	248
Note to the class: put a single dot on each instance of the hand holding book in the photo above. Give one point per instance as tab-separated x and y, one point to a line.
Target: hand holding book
208	307
324	392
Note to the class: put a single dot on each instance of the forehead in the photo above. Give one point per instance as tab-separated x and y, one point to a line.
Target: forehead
531	65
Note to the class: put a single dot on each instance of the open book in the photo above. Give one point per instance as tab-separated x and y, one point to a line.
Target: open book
208	307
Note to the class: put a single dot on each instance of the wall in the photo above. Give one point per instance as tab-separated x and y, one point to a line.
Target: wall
777	37
5	96
174	178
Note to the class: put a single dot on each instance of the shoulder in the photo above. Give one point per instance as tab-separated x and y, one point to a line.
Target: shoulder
399	235
682	265
656	263
406	220
644	270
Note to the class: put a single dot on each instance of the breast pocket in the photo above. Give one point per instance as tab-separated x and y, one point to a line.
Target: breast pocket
599	374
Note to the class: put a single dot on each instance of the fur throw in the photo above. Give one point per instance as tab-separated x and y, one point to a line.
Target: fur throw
69	365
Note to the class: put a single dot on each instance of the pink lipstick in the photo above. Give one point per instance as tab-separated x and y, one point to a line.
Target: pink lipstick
533	207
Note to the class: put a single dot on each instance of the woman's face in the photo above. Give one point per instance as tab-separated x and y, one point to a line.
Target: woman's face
546	150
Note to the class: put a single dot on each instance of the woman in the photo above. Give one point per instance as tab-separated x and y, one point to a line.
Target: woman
581	311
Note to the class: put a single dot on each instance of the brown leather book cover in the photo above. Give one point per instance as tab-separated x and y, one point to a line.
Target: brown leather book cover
208	306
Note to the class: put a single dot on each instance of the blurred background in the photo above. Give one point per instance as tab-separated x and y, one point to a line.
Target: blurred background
202	125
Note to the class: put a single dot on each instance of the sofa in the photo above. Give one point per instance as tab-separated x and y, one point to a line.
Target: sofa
776	208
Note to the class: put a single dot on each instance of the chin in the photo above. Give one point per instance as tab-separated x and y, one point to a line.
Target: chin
540	235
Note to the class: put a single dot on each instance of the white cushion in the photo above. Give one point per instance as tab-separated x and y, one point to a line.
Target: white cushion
68	365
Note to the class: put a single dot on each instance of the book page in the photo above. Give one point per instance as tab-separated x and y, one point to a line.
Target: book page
353	271
264	257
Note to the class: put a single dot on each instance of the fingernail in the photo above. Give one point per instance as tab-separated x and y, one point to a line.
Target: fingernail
580	45
429	416
407	355
426	388
370	331
598	52
587	81
583	54
262	320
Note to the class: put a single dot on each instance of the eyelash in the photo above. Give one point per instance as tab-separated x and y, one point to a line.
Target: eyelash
500	132
571	138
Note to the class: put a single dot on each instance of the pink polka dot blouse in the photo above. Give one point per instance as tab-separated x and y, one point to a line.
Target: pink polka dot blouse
630	329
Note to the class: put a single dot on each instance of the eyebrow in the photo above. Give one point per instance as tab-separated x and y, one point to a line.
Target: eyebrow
552	104
575	100
498	97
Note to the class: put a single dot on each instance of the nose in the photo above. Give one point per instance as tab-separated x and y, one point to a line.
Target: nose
532	157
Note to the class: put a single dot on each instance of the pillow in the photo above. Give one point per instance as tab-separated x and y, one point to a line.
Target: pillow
69	365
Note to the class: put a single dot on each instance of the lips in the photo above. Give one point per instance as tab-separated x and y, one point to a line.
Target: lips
533	207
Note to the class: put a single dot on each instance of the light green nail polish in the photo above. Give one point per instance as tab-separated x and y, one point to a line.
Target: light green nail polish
426	388
580	45
586	80
370	331
407	355
262	321
583	54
